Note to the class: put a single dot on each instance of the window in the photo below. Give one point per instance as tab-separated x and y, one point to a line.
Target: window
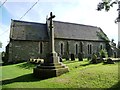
61	48
89	49
68	47
40	48
76	49
115	54
81	47
101	47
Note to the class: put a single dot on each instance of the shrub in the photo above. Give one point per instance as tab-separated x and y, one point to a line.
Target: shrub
94	58
103	53
88	58
4	57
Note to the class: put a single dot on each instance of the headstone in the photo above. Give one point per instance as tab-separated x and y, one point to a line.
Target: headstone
66	56
80	56
72	57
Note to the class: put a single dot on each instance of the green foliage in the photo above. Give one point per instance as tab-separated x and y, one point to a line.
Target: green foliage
102	36
105	4
81	75
94	58
3	54
103	53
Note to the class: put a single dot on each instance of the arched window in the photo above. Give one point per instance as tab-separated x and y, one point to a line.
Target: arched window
68	47
115	54
89	49
41	48
40	51
101	47
81	47
61	48
76	49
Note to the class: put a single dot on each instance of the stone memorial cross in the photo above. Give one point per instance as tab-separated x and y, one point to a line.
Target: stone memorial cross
52	66
51	33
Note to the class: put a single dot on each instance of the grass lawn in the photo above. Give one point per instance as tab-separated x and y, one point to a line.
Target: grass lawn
81	75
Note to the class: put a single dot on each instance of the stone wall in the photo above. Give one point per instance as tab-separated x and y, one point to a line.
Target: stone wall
72	46
24	50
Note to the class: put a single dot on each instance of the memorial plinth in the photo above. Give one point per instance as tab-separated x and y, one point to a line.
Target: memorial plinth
52	66
50	70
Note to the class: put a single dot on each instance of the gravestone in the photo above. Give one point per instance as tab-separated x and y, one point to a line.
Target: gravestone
80	56
72	57
66	56
52	66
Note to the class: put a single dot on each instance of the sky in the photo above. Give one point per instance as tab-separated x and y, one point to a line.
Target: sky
75	11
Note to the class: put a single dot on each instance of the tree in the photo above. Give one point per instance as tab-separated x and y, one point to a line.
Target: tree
107	4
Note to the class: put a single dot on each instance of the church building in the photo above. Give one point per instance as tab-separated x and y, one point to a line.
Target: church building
31	40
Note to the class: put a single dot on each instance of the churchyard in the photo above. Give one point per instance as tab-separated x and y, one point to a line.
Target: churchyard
81	74
97	71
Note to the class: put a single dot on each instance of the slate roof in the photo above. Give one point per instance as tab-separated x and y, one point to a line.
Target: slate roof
76	31
22	30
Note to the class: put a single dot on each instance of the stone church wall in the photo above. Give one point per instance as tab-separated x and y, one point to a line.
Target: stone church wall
24	50
72	47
